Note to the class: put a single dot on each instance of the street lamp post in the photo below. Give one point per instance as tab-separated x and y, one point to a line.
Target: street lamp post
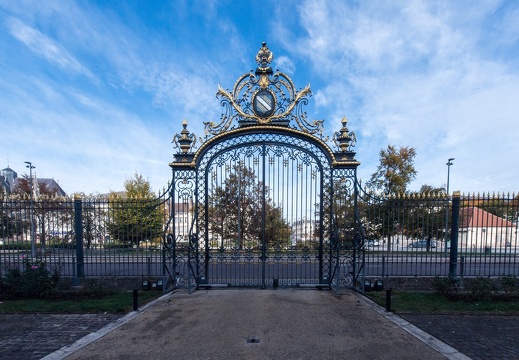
33	237
449	164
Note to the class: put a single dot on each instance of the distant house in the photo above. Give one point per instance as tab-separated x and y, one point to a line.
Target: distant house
182	221
479	228
9	181
7	178
4	185
303	231
52	186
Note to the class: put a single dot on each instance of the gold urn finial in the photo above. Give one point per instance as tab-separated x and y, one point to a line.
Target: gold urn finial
344	138
185	141
263	58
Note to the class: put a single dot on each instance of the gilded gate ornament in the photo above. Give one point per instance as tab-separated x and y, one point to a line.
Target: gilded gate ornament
344	139
264	97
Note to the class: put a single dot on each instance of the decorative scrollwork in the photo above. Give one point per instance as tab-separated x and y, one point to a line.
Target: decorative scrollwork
264	97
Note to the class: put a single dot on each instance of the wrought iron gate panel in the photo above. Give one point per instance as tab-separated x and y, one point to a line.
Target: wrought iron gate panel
273	241
180	250
264	201
348	254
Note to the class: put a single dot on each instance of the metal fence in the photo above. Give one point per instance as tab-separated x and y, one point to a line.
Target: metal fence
117	237
430	235
402	236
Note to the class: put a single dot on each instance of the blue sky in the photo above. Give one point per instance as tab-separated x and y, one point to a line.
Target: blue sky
93	91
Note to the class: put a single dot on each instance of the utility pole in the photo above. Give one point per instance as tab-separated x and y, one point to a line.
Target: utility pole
33	237
449	164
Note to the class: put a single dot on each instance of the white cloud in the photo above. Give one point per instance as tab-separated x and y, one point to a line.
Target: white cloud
283	62
439	76
45	47
412	74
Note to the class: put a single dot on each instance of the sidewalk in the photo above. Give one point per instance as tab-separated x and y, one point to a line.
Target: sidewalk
259	324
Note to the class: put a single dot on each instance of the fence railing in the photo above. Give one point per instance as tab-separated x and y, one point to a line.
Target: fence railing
85	237
430	235
404	236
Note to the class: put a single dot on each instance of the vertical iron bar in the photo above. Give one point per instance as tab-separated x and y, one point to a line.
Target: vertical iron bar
263	240
172	246
454	233
206	226
78	228
357	232
388	300
135	300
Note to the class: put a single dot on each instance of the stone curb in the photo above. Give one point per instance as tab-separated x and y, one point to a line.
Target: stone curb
438	345
84	341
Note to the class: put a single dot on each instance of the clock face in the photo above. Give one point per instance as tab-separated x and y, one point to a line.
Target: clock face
264	103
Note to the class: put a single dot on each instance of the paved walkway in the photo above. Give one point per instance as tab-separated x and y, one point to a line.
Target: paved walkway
33	336
478	336
258	324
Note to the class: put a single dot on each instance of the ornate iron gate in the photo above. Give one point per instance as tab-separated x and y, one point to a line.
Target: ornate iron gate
263	201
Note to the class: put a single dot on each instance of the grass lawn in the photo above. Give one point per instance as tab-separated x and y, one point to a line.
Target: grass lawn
122	303
431	303
80	303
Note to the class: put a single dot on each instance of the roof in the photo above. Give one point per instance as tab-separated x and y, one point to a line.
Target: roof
51	184
476	217
9	172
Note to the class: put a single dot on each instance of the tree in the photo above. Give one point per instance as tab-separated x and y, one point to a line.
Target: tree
395	171
343	220
426	214
503	206
136	214
93	214
49	208
236	212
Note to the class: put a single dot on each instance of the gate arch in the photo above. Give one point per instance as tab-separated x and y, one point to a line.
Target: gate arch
263	203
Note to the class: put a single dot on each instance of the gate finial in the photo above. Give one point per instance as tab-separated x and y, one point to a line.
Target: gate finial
344	138
263	58
185	141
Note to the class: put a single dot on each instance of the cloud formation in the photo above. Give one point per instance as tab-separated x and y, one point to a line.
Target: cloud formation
92	93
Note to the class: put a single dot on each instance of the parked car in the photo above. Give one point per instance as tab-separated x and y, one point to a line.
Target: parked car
371	243
422	244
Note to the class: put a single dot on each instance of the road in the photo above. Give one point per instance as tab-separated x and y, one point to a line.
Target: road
302	269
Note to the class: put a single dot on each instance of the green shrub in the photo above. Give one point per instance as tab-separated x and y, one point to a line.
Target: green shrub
446	286
480	288
509	285
34	280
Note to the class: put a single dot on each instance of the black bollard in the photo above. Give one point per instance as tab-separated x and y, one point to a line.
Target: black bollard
388	300
135	300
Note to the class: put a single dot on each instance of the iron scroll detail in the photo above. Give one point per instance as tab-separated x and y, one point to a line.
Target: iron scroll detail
264	97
